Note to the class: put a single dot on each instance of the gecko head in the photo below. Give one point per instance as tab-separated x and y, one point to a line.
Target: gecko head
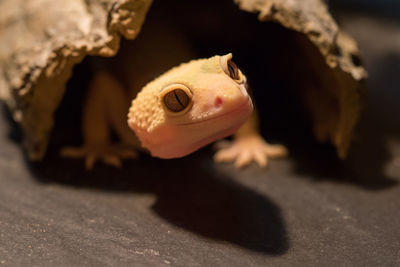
190	106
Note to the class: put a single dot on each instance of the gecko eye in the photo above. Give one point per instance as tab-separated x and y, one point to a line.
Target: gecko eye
233	70
176	98
230	68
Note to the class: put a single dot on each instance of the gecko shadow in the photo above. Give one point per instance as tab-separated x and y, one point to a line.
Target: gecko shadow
190	194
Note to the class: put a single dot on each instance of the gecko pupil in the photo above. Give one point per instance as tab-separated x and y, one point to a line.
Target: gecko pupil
233	70
176	100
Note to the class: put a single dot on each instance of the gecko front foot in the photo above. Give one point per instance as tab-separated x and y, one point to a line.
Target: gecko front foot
107	153
247	148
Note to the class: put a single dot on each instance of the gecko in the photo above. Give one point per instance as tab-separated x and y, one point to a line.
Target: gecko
175	114
184	109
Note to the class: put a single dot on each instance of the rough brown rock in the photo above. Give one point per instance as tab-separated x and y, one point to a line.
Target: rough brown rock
40	43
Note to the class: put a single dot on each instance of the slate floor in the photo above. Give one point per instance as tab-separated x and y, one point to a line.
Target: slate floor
307	210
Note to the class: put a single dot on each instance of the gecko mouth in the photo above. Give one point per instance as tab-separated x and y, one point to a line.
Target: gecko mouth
197	134
230	122
243	108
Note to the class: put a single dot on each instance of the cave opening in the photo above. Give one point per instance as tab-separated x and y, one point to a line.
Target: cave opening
271	57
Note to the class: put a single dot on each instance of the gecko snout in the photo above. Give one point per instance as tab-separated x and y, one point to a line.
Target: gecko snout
232	98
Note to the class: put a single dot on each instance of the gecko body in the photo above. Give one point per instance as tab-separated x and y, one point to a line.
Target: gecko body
187	107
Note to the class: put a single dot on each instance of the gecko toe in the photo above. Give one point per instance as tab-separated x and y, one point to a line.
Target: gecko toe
112	160
275	151
243	159
261	159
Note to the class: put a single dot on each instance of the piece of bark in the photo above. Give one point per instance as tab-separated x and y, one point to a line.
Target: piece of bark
41	41
333	91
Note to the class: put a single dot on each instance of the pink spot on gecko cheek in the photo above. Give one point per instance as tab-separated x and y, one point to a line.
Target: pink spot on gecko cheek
218	102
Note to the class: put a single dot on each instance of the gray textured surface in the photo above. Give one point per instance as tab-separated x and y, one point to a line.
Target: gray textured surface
308	210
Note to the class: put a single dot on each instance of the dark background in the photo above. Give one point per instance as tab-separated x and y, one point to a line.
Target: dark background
308	209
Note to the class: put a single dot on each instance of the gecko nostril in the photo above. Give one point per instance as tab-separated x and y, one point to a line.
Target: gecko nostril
218	101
